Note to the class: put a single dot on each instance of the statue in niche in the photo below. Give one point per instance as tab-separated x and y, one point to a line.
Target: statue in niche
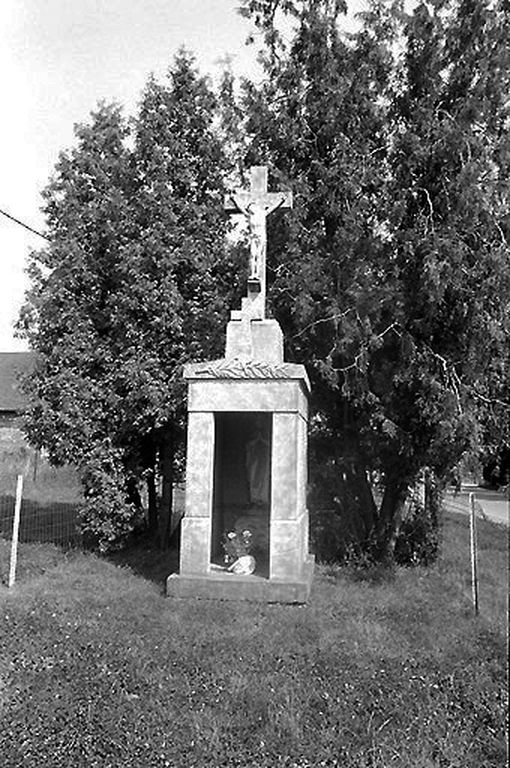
257	467
255	518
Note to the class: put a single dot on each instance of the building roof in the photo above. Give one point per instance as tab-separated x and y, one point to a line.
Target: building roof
12	366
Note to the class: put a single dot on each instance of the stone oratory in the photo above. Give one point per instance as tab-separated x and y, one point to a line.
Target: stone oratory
247	446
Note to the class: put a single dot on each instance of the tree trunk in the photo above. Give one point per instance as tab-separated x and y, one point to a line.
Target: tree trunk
368	506
133	493
166	460
359	504
148	456
390	517
153	503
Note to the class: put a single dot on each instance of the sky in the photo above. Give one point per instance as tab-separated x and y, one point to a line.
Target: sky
58	58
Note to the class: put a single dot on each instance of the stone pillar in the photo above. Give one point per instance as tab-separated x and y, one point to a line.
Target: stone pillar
196	523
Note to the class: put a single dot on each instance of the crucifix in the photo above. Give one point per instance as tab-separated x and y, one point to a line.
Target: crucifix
256	204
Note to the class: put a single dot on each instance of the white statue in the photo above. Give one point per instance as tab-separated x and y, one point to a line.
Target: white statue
257	213
257	468
257	204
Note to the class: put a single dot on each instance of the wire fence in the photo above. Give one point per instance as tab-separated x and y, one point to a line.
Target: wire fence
47	513
50	522
31	515
50	496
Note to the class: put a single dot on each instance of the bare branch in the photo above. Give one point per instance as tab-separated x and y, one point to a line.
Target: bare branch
332	318
451	377
431	207
364	350
502	234
490	400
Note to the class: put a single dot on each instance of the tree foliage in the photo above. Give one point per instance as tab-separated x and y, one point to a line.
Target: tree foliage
135	281
391	278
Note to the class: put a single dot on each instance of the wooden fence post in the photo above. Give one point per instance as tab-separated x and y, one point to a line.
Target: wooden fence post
474	552
15	531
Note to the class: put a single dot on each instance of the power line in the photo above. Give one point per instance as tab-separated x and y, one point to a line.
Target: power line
22	224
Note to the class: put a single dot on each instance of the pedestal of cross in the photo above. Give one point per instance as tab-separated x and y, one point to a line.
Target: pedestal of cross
257	204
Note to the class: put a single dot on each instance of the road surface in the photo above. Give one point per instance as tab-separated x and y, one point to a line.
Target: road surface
493	505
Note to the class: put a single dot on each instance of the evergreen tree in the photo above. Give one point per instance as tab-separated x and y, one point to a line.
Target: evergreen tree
134	283
391	276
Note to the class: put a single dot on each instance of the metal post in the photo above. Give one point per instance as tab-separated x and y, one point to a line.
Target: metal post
15	531
474	552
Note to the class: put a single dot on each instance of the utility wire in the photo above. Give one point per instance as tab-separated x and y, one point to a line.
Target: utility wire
30	229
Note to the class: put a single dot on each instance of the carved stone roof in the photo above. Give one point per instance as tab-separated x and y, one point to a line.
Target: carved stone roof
235	368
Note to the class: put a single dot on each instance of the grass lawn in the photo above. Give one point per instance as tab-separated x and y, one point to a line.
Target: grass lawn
380	669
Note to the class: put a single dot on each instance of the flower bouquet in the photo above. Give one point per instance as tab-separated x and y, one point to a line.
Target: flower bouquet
237	558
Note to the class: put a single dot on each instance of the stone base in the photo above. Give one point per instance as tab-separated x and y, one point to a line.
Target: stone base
260	340
221	585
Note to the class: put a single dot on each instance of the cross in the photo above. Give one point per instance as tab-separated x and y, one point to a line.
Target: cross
256	204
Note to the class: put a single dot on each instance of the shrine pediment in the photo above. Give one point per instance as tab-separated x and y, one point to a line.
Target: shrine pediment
236	368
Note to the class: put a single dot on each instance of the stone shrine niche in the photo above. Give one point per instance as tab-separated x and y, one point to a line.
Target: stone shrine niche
247	446
242	483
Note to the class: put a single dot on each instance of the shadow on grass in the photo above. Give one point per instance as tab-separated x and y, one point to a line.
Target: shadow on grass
373	573
147	560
